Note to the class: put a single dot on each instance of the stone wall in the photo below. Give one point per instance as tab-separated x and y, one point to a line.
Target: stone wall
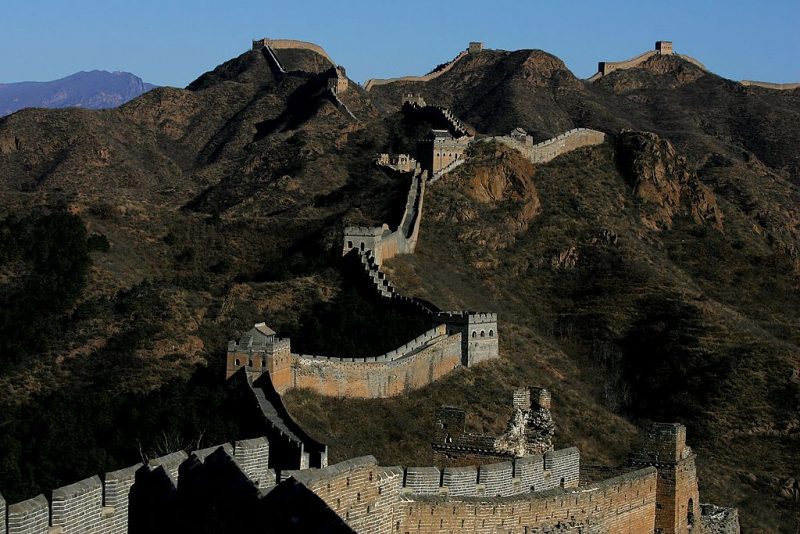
552	148
719	520
664	447
661	48
769	85
426	78
624	504
421	499
288	44
412	366
102	506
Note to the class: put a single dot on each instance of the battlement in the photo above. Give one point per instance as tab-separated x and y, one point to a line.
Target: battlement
663	48
663	443
549	149
288	44
101	505
375	82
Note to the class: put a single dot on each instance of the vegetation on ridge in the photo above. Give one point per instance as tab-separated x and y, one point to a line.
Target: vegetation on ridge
632	283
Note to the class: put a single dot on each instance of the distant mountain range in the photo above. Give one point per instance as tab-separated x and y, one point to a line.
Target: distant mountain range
94	89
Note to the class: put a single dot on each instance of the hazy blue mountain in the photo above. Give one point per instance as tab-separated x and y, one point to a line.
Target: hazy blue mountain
94	89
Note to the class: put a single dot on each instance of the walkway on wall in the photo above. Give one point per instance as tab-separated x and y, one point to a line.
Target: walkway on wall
292	448
277	64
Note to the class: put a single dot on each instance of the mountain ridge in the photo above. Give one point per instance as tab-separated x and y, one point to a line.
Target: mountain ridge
223	205
94	89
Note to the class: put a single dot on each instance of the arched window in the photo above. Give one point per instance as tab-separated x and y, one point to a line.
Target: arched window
690	512
483	333
237	362
491	333
474	334
562	482
349	244
362	246
264	362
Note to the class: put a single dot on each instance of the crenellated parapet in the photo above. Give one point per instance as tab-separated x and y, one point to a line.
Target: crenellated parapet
473	48
549	149
662	48
288	44
105	504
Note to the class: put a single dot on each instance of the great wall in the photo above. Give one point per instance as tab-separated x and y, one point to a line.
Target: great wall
283	478
664	48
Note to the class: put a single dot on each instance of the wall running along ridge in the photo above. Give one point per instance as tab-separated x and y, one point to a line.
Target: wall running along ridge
284	44
769	85
552	148
426	78
606	67
391	499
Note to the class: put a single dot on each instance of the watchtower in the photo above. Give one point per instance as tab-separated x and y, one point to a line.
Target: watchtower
479	337
677	497
439	149
337	80
664	48
260	351
475	47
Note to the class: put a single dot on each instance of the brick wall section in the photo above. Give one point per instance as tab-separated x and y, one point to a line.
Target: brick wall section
253	457
497	479
552	148
117	488
422	480
351	489
426	78
623	505
2	515
362	378
29	517
460	481
563	464
664	447
170	463
79	507
529	471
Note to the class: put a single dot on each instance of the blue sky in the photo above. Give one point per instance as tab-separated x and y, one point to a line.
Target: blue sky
172	42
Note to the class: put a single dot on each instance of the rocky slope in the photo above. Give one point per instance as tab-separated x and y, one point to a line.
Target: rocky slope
653	277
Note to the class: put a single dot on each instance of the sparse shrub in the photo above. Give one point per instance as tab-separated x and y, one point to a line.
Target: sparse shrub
98	243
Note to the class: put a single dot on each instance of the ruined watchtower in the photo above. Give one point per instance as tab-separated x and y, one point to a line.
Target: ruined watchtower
475	47
677	497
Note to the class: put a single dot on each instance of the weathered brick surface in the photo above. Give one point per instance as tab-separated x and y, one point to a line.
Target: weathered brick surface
460	481
623	505
422	480
496	479
117	487
29	517
337	377
664	447
78	507
253	457
564	466
358	490
529	470
170	464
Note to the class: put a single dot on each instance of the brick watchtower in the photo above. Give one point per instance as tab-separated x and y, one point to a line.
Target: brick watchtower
677	497
260	351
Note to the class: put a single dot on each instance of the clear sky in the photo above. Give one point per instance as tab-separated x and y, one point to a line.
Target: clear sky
171	42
